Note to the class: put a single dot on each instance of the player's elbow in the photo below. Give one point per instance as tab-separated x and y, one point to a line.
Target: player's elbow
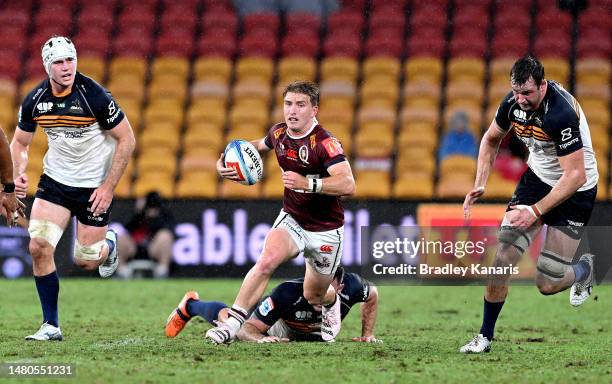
349	186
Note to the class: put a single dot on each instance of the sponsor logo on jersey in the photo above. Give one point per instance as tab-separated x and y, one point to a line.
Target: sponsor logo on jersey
94	218
520	115
76	106
37	93
573	141
292	154
278	132
114	117
44	107
332	147
575	223
537	121
313	141
303	315
266	306
326	248
74	134
304	153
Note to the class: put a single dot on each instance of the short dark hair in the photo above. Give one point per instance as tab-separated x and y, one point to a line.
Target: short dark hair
339	275
526	67
307	88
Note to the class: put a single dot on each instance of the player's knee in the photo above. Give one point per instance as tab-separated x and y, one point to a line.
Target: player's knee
88	256
512	240
546	287
40	249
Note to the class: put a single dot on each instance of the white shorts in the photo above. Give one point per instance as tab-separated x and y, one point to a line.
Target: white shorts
322	250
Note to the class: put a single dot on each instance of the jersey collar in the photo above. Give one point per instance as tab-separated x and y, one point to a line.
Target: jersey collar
314	124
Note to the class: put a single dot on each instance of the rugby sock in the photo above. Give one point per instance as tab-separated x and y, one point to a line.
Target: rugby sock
48	291
209	310
236	316
330	305
581	270
491	311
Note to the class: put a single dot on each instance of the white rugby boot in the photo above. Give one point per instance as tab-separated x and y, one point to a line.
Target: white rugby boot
111	263
331	321
221	334
478	344
581	291
46	332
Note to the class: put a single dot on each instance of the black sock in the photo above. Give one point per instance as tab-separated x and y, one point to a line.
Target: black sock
48	292
209	310
490	313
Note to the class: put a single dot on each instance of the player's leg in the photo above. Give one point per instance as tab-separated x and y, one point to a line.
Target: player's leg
323	253
126	250
95	245
189	306
555	270
47	224
283	242
512	243
160	250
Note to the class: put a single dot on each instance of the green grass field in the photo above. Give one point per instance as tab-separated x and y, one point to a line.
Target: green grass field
113	332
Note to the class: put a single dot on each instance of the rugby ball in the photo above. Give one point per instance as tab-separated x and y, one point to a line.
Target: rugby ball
244	158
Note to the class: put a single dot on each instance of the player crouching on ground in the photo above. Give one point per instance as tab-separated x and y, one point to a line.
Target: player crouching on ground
285	315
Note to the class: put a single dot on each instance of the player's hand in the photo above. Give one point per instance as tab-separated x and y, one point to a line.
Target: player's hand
272	339
21	185
367	339
470	199
521	216
101	199
294	181
224	172
6	210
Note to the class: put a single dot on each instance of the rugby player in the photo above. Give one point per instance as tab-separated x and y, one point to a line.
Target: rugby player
90	143
557	189
285	315
10	206
315	175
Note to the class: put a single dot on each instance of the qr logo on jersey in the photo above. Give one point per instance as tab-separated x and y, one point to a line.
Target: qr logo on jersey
266	306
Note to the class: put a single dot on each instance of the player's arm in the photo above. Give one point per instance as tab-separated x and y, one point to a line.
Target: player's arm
102	197
486	157
231	173
6	162
261	145
340	181
574	177
253	330
369	311
20	145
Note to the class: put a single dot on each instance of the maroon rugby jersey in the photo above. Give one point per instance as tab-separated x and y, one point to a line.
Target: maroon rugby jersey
309	155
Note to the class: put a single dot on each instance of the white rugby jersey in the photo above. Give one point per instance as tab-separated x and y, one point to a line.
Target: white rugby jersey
557	128
80	150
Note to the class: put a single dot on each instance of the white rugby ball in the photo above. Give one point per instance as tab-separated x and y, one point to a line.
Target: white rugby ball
244	158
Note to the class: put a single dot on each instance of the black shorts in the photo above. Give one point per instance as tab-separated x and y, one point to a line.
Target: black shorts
75	199
570	217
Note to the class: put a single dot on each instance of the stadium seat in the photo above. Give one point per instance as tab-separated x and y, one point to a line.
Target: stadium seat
370	143
345	19
424	69
381	93
339	69
162	183
592	71
255	68
212	69
197	185
413	185
233	190
344	44
472	69
454	186
292	68
373	184
252	91
498	187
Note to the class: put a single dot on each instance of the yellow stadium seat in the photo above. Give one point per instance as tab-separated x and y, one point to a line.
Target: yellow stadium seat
170	65
295	68
418	138
202	89
596	111
593	71
205	159
93	66
341	69
499	70
248	115
556	69
384	69
373	184
413	186
458	165
158	138
376	114
124	187
127	88
128	67
204	136
338	90
587	91
425	164
381	93
158	160
464	90
246	131
370	143
197	184
216	69
411	115
255	68
164	111
199	114
471	69
273	188
8	88
162	91
232	190
27	85
422	89
423	69
7	114
454	186
252	90
498	187
148	182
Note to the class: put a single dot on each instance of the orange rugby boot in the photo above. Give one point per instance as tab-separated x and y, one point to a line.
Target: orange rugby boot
179	316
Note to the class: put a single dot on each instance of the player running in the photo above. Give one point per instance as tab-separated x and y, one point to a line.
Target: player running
285	315
315	175
558	189
90	144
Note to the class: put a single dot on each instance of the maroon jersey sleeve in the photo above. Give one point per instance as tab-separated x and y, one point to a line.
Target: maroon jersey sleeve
330	150
273	134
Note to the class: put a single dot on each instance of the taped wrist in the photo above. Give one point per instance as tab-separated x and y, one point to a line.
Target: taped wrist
315	185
